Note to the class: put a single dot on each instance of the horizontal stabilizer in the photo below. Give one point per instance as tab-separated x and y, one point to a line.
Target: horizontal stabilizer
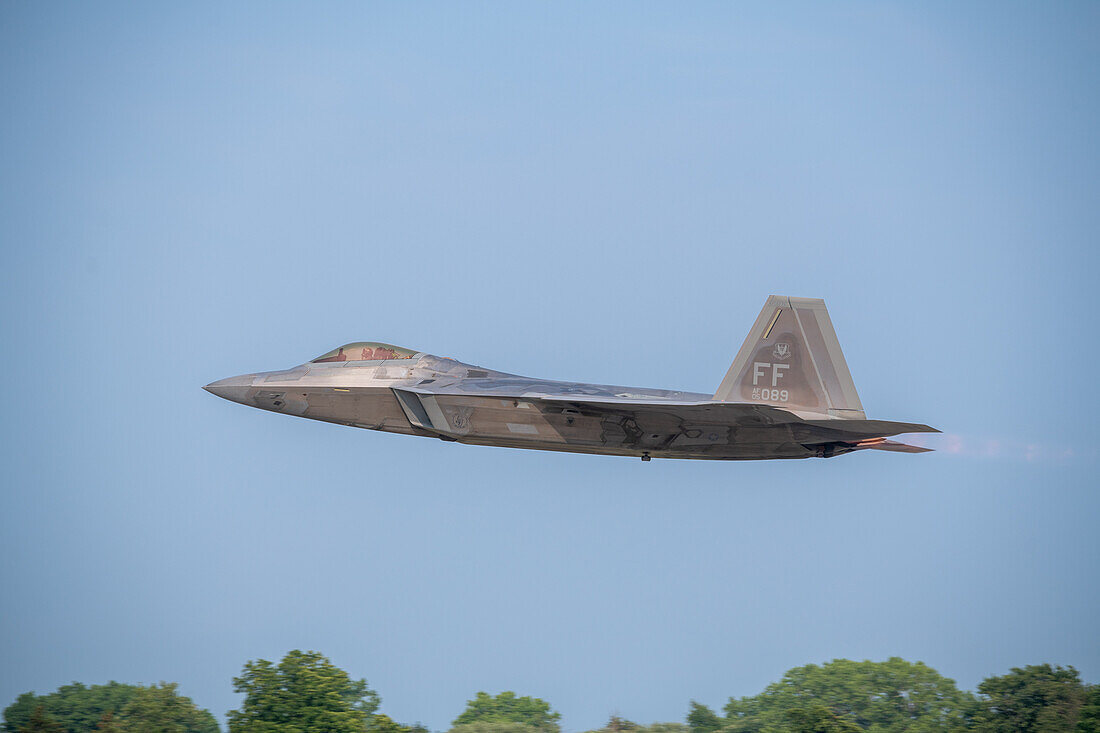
890	445
876	428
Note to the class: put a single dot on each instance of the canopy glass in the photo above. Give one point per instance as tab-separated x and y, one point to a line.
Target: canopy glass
365	351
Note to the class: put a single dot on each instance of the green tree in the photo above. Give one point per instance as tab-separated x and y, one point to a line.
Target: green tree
702	719
113	708
1036	698
76	707
507	708
1090	711
160	709
818	719
494	726
890	697
304	693
616	724
107	724
385	724
40	722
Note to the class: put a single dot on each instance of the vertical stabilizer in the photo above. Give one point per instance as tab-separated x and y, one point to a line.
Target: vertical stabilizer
791	358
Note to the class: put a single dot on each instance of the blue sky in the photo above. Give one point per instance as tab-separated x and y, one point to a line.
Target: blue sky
603	193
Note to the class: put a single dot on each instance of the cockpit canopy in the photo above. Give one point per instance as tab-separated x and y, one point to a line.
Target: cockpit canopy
365	351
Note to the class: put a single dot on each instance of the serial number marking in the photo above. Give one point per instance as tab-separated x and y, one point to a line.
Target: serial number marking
771	395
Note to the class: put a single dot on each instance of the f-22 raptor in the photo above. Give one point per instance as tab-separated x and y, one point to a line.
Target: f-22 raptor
788	394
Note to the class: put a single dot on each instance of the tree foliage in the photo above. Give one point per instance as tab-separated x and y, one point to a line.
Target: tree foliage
1090	711
507	708
160	709
702	719
890	697
617	725
304	693
385	724
107	724
818	719
494	726
112	708
40	722
1037	698
77	708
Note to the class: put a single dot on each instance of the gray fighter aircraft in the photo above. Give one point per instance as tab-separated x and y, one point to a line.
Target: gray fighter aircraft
788	394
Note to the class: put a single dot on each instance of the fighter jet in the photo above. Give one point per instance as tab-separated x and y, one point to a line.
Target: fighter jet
788	394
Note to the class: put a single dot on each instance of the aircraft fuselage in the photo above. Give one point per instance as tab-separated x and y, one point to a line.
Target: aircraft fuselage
788	394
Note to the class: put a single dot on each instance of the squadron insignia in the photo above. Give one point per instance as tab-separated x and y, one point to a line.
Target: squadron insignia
782	352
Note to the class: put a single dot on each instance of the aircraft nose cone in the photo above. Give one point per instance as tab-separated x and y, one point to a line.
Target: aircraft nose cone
234	389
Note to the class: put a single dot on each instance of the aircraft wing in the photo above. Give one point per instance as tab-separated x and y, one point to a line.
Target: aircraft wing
739	414
593	421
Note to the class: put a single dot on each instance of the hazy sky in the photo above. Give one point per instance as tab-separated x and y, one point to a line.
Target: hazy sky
600	192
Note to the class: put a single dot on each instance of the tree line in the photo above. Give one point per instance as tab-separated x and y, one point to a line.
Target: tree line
306	693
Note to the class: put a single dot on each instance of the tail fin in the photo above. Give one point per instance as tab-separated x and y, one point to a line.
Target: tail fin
791	358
